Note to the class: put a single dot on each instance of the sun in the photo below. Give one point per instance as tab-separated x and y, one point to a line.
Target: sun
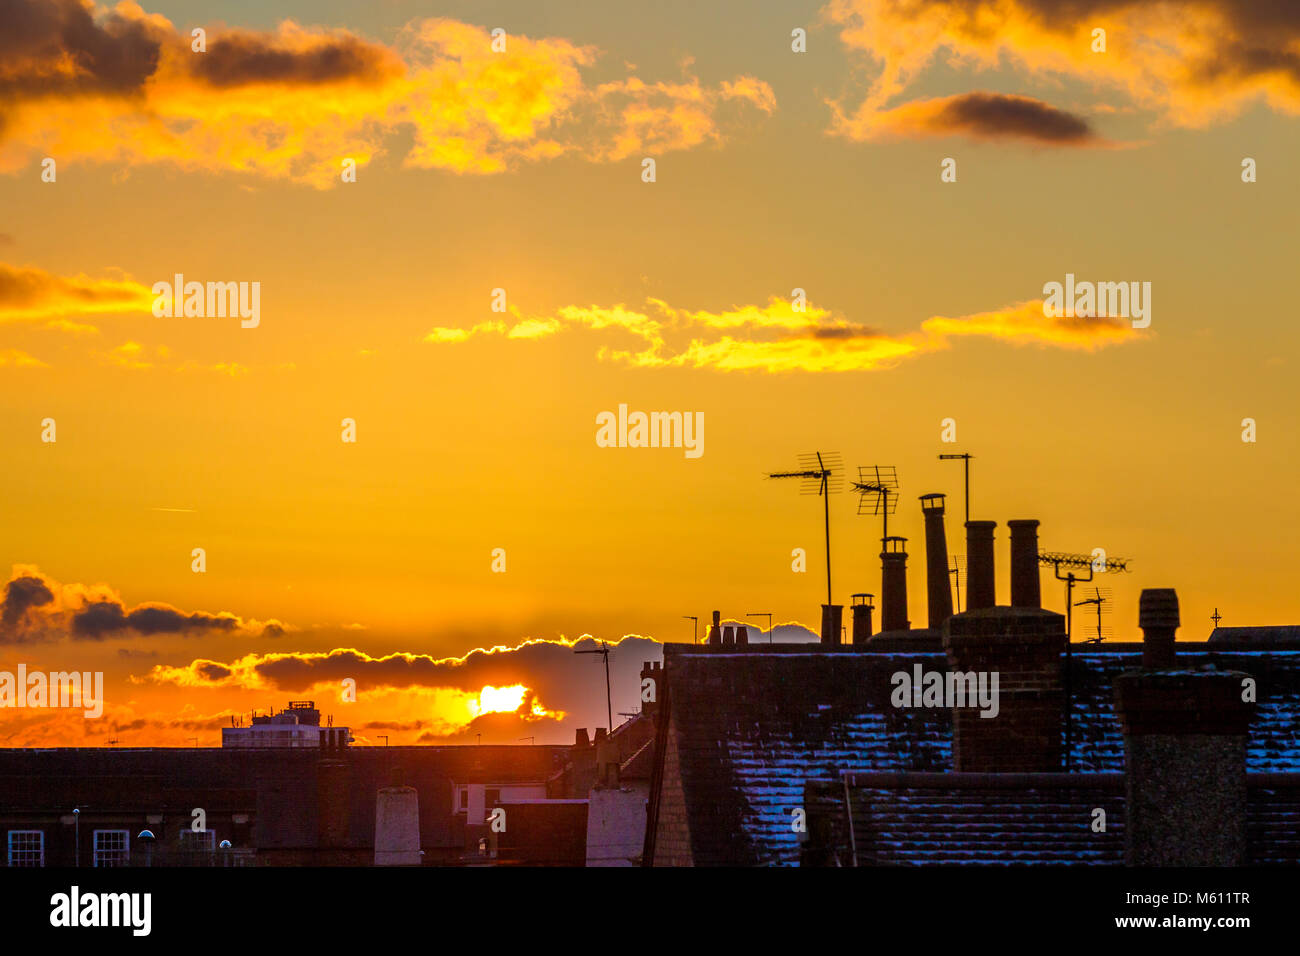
498	700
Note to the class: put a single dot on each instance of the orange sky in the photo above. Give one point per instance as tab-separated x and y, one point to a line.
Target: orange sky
522	170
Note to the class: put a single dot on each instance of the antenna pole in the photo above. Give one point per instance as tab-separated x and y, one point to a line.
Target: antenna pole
826	502
609	707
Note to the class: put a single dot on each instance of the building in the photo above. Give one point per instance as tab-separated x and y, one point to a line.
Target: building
296	726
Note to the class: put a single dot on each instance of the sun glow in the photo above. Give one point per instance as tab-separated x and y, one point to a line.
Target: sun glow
515	698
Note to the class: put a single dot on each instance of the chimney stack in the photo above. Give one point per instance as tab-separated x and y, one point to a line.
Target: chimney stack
936	561
652	671
728	636
893	590
1025	588
742	634
832	618
862	609
715	629
980	592
1185	737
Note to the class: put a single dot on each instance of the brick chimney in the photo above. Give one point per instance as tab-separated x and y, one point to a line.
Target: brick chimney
1023	646
1025	587
980	592
728	636
742	634
938	592
862	609
893	590
832	622
715	629
606	761
1185	735
652	670
582	760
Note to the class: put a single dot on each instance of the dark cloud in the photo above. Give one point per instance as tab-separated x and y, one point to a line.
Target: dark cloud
852	331
31	612
240	58
20	594
999	116
56	47
103	618
211	670
61	48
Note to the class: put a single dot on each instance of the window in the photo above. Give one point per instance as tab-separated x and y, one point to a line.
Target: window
112	848
197	839
464	798
26	848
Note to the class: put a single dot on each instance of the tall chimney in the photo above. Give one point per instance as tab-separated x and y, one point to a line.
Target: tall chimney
893	590
936	561
980	592
832	618
1025	589
862	609
715	629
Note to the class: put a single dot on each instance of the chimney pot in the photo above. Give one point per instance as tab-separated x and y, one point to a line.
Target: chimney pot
938	592
893	591
862	609
1025	586
980	589
1158	618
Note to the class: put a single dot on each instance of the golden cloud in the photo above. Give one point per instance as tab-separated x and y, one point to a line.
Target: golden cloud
1191	63
30	293
295	102
777	337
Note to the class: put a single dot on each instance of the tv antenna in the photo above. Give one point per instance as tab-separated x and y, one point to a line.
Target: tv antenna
603	651
821	474
957	570
877	488
1099	600
1093	564
696	620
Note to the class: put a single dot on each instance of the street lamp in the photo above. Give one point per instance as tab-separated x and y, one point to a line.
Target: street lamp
147	838
769	622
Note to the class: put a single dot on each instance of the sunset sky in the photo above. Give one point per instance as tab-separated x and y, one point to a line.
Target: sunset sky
522	170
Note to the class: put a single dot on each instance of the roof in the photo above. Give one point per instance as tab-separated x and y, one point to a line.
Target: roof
1268	634
750	728
980	818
